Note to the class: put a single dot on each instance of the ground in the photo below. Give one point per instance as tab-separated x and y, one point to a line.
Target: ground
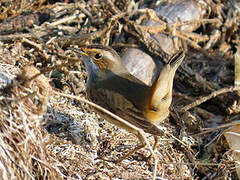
46	135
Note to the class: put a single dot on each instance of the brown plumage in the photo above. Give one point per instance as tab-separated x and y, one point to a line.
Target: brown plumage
113	87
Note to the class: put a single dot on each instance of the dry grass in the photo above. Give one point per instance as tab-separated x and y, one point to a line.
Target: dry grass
45	136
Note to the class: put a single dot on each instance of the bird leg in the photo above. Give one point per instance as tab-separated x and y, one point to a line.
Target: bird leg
154	146
143	142
140	134
155	143
131	152
126	155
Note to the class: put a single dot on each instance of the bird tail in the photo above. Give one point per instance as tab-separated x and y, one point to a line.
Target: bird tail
176	59
162	92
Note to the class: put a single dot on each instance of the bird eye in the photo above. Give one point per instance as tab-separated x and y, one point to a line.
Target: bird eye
98	56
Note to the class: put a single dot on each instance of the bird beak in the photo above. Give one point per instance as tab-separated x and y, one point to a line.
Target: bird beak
79	51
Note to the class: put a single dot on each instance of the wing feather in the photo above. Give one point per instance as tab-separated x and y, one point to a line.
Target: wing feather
122	107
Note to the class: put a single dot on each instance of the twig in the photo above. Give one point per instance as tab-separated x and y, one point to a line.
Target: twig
193	164
140	131
13	37
219	127
38	46
206	98
66	19
100	108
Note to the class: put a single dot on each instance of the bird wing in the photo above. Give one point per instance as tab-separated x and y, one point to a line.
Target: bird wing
122	107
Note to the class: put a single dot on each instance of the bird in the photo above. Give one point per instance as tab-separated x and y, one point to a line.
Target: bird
111	86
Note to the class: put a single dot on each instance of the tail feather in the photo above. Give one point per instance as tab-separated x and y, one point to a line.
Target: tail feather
176	59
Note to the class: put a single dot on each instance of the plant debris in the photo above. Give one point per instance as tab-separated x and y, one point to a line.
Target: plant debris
44	135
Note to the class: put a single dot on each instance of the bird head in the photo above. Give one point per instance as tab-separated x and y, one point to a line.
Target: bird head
105	58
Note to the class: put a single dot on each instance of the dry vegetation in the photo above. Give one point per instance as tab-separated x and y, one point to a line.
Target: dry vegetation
47	136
